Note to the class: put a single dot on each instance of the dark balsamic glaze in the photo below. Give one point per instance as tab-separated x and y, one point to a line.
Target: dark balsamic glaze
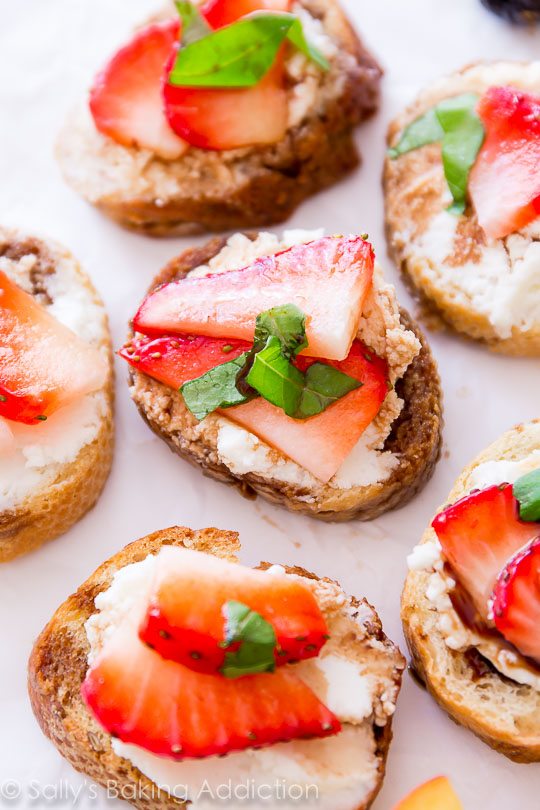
467	612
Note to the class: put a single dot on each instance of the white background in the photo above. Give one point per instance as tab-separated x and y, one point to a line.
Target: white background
48	52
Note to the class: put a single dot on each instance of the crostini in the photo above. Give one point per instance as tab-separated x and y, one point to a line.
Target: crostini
141	683
177	140
56	422
285	366
462	184
471	603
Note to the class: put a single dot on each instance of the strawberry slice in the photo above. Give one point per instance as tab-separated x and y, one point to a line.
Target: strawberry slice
174	712
327	279
224	12
175	359
230	118
505	181
478	535
43	364
182	627
126	99
322	443
516	601
223	118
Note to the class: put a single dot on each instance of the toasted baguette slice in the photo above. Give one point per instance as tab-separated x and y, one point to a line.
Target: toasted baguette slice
58	665
415	437
502	712
476	287
64	485
215	191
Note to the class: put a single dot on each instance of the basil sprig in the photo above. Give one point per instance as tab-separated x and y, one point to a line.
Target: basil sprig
267	370
299	395
256	637
527	492
455	123
286	323
238	55
215	389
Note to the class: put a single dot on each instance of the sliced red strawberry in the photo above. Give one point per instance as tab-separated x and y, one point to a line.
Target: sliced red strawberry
172	711
126	99
516	600
43	364
230	119
478	535
322	443
173	360
183	627
327	279
505	181
224	12
225	118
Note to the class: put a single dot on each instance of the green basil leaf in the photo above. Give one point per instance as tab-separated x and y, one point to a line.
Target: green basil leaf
299	395
424	130
256	637
215	389
455	123
323	386
287	323
527	492
275	378
463	137
238	55
194	26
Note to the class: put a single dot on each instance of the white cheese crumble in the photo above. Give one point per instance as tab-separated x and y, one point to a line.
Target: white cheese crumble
31	455
504	286
490	473
342	768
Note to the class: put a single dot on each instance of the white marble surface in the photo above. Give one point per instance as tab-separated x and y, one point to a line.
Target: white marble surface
48	51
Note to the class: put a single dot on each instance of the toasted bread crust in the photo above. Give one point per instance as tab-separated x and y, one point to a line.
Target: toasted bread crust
58	665
52	509
416	434
415	191
503	713
249	187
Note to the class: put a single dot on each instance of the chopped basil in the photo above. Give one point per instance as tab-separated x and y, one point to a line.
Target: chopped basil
456	125
267	371
256	637
422	131
527	492
323	386
299	395
463	137
275	378
286	323
240	54
215	389
194	26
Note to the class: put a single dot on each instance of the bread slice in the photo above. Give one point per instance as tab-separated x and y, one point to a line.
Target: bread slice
62	489
58	665
503	713
215	191
473	285
415	437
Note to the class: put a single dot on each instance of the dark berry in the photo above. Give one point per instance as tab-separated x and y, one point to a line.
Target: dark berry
521	12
